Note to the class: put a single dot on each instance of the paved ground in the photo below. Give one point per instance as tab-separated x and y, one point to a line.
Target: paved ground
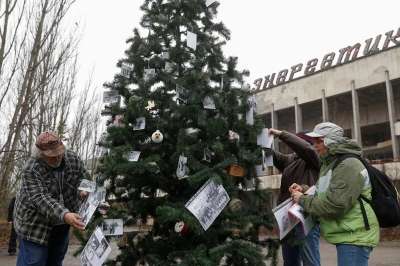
386	254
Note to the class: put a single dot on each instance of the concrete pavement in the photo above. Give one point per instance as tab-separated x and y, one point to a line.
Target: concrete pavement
386	254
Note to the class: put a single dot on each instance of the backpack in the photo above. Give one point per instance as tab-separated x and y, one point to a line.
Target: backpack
385	198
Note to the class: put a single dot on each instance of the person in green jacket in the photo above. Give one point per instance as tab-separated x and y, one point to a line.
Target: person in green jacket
335	203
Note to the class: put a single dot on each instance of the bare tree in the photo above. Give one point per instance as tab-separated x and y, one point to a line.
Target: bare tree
44	55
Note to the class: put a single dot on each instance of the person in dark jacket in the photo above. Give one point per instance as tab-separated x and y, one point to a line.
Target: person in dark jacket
301	167
12	243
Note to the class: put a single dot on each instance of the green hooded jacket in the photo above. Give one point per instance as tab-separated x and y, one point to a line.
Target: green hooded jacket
336	203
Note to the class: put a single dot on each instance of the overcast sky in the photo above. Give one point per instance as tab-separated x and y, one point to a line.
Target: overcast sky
267	35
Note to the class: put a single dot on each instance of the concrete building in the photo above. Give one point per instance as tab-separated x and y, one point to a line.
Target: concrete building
361	94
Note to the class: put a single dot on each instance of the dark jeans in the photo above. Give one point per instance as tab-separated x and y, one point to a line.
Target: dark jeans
306	254
12	243
34	254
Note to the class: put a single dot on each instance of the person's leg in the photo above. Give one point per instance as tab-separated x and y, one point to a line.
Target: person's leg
58	245
291	255
12	243
310	250
351	255
31	254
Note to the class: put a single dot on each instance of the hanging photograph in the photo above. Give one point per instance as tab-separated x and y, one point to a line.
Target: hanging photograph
133	156
181	94
208	203
111	96
208	103
191	40
251	101
182	170
149	73
96	249
113	227
264	139
140	123
87	185
127	69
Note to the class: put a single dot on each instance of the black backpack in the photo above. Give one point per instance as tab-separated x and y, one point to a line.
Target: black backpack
385	199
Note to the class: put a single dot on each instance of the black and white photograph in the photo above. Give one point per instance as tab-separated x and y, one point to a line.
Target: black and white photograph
133	156
208	202
87	185
110	96
182	170
96	249
86	211
140	123
251	101
113	227
127	69
181	94
149	73
208	103
264	139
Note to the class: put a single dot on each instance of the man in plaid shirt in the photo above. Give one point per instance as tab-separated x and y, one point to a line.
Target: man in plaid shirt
47	202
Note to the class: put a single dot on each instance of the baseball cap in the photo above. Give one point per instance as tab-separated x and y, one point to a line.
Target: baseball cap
326	129
50	144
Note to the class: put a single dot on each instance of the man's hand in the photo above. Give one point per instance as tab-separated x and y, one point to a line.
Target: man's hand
275	132
83	194
295	187
74	220
296	196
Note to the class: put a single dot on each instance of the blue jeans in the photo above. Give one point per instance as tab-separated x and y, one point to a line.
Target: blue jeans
34	254
306	254
351	255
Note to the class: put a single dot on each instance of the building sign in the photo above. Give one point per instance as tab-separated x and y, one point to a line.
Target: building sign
344	55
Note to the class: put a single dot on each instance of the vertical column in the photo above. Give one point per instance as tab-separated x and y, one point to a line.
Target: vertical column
392	114
325	110
274	124
298	116
356	114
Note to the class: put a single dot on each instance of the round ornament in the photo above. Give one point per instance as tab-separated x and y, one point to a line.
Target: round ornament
157	136
181	228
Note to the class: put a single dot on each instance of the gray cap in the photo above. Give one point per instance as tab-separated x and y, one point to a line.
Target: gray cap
327	130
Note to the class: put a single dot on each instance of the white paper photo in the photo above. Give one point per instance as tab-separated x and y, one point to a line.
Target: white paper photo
133	156
182	170
110	96
264	139
191	40
126	69
113	227
149	73
87	185
208	103
285	221
169	67
208	203
165	55
96	249
86	211
181	94
140	123
251	101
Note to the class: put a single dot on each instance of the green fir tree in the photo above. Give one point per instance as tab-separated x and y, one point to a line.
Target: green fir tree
166	82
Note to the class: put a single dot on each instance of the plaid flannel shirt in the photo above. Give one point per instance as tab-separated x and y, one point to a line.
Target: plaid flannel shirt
44	197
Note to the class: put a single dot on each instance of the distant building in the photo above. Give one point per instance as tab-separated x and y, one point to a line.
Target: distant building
357	87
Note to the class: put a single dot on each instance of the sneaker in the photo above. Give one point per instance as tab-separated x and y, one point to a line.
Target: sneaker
11	253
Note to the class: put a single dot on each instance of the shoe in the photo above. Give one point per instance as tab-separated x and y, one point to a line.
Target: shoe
12	253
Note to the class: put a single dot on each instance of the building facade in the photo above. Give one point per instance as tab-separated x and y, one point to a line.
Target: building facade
361	93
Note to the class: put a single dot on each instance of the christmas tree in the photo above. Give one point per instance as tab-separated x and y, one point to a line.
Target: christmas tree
184	129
